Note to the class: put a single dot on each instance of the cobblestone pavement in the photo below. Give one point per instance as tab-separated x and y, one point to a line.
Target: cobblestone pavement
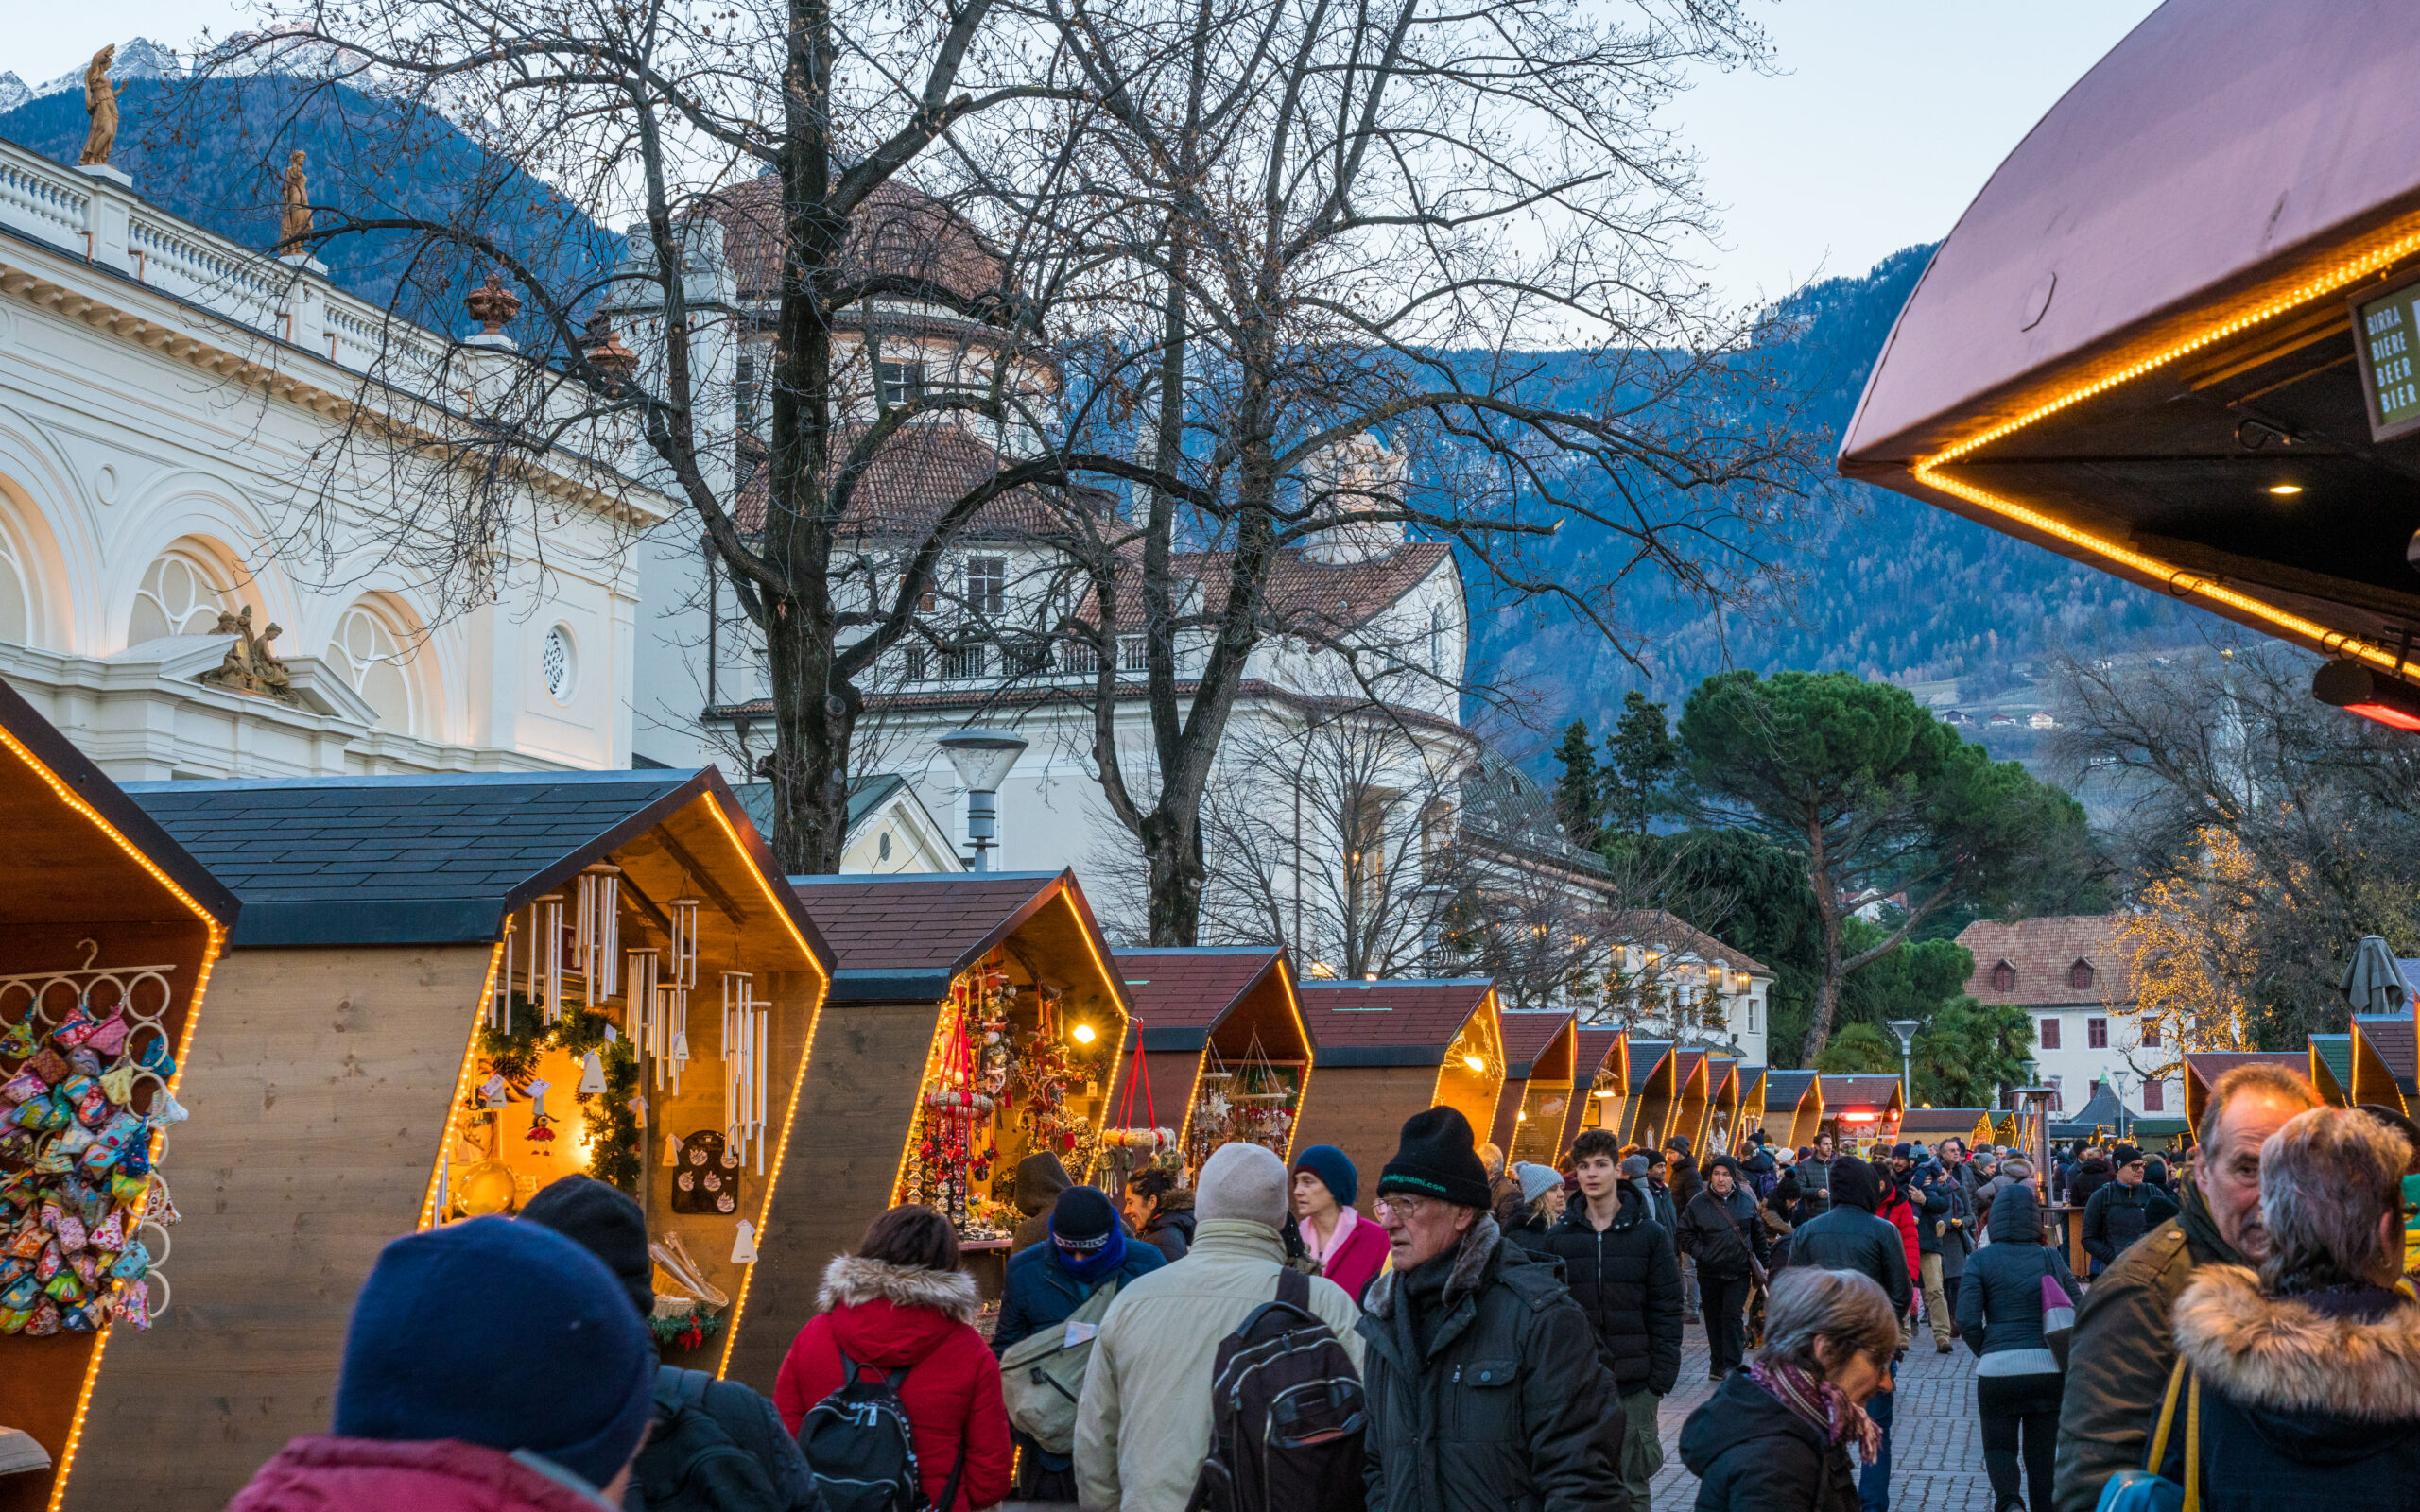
1936	1445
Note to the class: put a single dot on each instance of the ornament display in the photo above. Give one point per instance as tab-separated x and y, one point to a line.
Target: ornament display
706	1179
540	1131
1254	1101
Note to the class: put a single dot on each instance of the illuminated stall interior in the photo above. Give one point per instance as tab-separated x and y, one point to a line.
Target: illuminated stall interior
110	934
1225	1053
1862	1111
1692	1088
444	994
2383	1054
975	1019
2009	1130
1752	1103
1600	1081
1933	1125
1654	1093
1793	1107
1721	1104
2171	337
1387	1050
1539	1049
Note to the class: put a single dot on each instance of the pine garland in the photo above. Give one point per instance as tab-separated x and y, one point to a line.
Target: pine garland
613	1127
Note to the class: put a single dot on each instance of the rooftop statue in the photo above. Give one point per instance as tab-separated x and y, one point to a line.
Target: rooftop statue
250	666
101	102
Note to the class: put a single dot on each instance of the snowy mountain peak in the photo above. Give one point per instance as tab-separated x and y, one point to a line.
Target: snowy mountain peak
139	59
13	92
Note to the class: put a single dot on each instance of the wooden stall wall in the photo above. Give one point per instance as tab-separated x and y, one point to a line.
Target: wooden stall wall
1360	1110
318	1094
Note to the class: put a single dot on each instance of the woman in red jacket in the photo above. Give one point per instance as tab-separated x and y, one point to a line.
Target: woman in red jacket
1897	1209
902	1302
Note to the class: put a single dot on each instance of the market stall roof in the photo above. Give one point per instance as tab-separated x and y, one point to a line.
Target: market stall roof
1787	1088
83	872
903	938
1594	1050
1647	1058
1841	1094
2140	337
1530	1034
1181	996
2331	1067
2391	1038
1391	1023
1945	1121
427	859
2203	1069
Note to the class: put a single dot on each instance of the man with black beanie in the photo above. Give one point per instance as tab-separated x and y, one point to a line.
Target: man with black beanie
1484	1385
694	1412
1850	1237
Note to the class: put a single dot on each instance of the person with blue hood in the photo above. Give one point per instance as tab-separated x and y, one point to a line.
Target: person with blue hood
1087	1250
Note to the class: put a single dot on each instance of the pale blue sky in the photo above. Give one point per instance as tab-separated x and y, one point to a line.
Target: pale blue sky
1887	117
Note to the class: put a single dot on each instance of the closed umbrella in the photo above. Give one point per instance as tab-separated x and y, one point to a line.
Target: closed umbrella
2373	981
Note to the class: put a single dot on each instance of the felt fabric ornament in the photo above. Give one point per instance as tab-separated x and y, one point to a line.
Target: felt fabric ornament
48	1111
108	1147
119	1084
92	1109
58	1157
135	1306
111	1235
129	1191
22	1293
47	1265
27	1240
12	1319
20	1039
67	1286
743	1244
162	1209
69	1227
154	1057
86	1266
77	1027
44	1321
137	1159
109	1037
22	1085
135	1265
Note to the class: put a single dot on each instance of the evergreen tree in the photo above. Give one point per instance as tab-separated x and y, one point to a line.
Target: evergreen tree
1575	791
1640	757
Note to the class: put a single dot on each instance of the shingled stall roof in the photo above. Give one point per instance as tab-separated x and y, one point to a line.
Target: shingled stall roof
2391	1038
1784	1088
1601	1050
424	859
1846	1092
1528	1034
2203	1069
1961	1122
1181	996
1390	1023
903	936
2331	1067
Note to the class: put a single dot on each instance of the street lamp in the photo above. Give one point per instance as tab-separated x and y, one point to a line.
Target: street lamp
1906	1029
982	759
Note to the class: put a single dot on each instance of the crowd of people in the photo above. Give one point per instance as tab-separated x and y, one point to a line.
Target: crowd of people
1485	1337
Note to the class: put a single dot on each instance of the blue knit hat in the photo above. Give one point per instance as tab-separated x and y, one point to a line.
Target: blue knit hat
1334	1168
501	1334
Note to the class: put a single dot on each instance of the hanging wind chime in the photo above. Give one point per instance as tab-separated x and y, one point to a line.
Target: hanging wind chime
745	1020
673	1035
546	951
597	932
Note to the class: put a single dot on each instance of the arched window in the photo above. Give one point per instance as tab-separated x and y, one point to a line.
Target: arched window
2079	975
2003	977
183	594
369	651
16	606
1437	640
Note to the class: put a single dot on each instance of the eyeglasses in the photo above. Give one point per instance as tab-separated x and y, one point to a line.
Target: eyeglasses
1403	1206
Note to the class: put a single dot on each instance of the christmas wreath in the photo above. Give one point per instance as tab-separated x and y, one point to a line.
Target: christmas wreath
613	1118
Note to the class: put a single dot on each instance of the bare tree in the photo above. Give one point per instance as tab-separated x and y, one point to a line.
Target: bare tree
1454	230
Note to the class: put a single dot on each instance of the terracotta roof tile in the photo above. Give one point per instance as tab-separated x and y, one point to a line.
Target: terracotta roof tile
898	230
2043	953
1655	927
917	474
1190	988
1425	1015
1303	598
918	923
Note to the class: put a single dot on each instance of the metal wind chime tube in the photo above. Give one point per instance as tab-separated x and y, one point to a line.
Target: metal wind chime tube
743	1059
597	932
546	956
500	1006
673	1037
640	1008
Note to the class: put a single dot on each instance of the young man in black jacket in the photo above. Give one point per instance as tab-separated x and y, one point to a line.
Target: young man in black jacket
1721	1231
1620	1266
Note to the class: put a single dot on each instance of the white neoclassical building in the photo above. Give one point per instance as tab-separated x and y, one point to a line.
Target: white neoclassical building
163	392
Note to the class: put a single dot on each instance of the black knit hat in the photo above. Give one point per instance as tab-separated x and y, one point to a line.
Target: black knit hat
1083	1219
605	1222
1438	1157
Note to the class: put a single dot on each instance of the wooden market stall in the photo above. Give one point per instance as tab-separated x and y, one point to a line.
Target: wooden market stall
1862	1111
975	1019
2330	1068
2009	1130
1721	1104
2383	1060
1538	1052
446	991
1690	1091
1389	1049
1647	1118
1600	1081
1225	1053
110	939
1793	1107
1751	1101
2203	1069
1932	1124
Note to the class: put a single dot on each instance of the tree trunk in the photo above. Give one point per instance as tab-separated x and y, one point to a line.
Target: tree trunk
809	769
1827	987
1172	846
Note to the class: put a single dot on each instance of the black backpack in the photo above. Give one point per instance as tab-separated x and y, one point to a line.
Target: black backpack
861	1450
1286	1414
690	1464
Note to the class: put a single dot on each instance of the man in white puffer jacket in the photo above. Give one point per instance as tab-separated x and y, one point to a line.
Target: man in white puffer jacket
1159	1345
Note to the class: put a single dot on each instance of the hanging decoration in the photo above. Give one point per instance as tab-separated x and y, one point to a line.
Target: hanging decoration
540	1133
546	953
597	933
743	1244
84	1113
641	1013
1148	1137
683	963
1253	1102
746	1020
591	1071
510	1059
707	1178
500	1002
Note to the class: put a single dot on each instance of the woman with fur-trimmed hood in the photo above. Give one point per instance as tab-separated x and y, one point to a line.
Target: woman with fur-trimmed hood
902	1302
2309	1370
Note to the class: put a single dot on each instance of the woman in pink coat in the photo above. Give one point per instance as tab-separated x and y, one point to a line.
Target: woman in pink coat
1349	1248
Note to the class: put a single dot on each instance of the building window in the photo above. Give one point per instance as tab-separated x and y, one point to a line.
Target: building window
369	654
1130	654
183	594
1437	640
16	613
746	395
965	664
2079	975
899	383
2096	1034
987	584
917	662
555	658
2154	1097
2003	977
2049	1036
2150	1034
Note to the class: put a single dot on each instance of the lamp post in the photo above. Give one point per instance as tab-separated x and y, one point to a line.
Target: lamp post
982	759
1906	1029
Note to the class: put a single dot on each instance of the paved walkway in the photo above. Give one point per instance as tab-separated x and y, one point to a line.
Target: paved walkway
1936	1445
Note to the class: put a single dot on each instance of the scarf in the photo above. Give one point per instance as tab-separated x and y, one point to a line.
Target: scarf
1820	1405
1346	1221
1085	1268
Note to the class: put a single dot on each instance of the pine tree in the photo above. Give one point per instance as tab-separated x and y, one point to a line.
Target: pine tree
1575	791
1640	757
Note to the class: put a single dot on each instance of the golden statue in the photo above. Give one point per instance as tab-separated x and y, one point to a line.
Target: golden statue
294	221
100	103
250	666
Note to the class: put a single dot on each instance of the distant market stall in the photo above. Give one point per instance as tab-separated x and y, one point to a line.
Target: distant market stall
1752	1103
1599	1082
1225	1053
1539	1050
1862	1111
975	1019
1647	1118
442	993
1389	1049
1793	1107
109	937
1933	1125
2203	1069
